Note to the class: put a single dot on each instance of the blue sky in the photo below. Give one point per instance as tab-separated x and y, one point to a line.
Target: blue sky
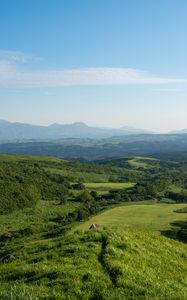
105	62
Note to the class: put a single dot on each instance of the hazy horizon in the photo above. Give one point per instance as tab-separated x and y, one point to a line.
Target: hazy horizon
105	63
126	126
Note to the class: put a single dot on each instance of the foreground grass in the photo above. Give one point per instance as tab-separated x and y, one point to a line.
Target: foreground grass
155	217
109	264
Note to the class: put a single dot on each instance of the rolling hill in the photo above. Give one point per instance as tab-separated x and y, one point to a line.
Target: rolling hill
154	145
47	206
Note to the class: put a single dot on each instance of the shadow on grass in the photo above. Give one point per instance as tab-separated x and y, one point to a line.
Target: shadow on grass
178	231
56	231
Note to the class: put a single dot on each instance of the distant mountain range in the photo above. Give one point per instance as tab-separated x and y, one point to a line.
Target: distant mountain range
183	131
21	131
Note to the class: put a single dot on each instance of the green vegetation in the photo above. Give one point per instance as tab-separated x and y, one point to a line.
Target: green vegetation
108	185
24	184
154	217
109	264
78	175
32	158
141	162
47	205
41	218
182	210
165	146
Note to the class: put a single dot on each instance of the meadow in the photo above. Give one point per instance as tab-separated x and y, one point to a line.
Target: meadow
154	217
106	186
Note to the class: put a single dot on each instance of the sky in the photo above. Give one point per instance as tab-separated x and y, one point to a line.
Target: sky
108	63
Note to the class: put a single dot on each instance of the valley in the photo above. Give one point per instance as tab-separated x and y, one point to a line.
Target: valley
93	150
47	206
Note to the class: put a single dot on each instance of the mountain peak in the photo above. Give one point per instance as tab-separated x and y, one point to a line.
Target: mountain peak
54	125
79	124
75	124
12	131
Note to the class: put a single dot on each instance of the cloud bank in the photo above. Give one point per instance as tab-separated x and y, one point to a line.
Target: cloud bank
14	75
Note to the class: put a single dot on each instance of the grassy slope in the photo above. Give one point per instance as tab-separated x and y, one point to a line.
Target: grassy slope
111	264
108	185
156	217
140	162
85	176
16	158
38	218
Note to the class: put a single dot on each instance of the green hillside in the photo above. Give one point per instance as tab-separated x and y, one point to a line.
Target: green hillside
23	184
47	205
154	217
32	158
109	264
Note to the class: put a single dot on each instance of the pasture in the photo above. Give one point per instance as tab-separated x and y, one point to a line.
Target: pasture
108	185
154	217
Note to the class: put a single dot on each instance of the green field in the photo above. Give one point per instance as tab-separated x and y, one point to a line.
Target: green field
154	217
18	157
140	162
108	185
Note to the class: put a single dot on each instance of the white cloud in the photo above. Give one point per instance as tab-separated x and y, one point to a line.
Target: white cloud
12	75
16	56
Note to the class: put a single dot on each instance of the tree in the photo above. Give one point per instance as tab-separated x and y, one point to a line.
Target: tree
85	197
